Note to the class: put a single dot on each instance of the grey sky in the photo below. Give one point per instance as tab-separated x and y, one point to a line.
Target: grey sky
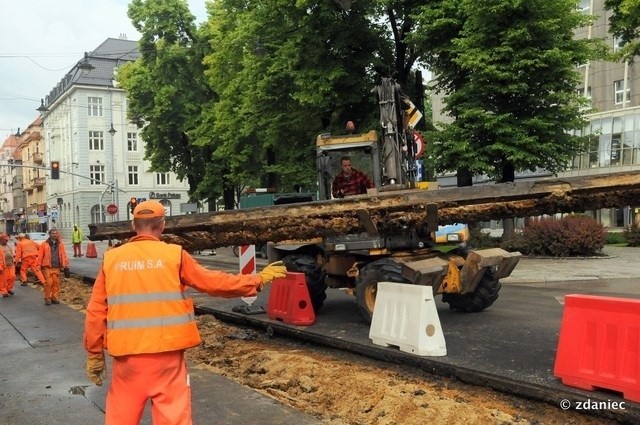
42	39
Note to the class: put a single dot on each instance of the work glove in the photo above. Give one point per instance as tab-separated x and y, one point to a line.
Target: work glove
272	271
96	367
66	272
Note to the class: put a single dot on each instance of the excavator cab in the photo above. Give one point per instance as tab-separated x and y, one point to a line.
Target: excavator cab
362	149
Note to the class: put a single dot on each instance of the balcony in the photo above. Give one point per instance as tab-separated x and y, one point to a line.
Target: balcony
38	182
37	157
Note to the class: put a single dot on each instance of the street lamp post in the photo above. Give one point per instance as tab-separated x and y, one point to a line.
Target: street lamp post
114	180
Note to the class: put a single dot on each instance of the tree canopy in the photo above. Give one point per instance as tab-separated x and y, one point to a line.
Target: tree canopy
625	23
508	74
166	88
239	100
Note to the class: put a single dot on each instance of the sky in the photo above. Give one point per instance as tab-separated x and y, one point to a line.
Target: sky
41	40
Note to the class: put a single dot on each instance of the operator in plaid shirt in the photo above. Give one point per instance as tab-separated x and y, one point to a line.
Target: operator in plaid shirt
350	181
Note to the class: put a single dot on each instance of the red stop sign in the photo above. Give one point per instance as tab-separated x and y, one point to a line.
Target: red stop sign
112	209
419	140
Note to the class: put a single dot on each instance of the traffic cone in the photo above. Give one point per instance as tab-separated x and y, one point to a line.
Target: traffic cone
289	301
91	250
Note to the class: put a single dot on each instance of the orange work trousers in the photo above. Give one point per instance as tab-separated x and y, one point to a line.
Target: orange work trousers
51	283
30	263
159	377
10	276
3	283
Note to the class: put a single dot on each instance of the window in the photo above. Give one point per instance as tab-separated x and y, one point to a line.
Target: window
96	140
586	95
618	88
162	179
95	106
584	6
617	44
97	214
97	174
133	174
132	142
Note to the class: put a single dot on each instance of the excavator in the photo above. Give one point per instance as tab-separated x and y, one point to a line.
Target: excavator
397	231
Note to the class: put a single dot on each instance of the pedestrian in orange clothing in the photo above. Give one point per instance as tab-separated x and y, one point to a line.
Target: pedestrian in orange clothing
27	256
140	312
3	280
52	257
10	267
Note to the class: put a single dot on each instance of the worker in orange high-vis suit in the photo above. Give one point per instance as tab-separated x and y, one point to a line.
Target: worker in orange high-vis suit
8	253
52	257
27	256
140	312
6	293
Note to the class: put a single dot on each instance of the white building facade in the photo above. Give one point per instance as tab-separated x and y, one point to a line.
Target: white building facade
98	151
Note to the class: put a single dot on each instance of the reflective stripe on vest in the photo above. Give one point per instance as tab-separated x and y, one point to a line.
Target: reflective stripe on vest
151	322
140	298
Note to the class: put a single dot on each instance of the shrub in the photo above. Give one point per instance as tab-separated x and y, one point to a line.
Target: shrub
632	235
615	238
573	235
479	239
516	243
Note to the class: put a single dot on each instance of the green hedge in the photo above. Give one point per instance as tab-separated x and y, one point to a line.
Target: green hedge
632	235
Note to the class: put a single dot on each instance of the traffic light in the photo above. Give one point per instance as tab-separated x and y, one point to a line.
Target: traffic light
55	170
133	202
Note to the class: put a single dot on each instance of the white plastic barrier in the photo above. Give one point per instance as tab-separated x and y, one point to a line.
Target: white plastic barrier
405	316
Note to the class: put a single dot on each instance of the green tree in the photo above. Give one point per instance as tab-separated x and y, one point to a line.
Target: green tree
240	100
167	90
285	73
625	23
509	81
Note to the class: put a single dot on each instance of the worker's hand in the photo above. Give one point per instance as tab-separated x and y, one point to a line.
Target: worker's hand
272	271
96	367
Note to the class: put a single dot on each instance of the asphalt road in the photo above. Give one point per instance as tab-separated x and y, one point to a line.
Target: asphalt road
510	346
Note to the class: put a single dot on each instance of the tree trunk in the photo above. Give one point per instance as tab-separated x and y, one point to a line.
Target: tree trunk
390	212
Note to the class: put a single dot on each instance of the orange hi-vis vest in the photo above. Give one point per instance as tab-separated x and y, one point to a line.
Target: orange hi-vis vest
26	248
148	311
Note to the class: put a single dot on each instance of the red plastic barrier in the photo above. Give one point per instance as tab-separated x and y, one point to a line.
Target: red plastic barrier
599	344
91	250
289	301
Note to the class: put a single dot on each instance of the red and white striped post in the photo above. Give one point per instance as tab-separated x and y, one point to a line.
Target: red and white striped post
248	259
248	266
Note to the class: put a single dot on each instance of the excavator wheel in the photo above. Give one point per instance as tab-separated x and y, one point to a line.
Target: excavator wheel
484	295
385	270
314	274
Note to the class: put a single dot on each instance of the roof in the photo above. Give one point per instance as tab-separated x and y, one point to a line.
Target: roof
105	58
116	49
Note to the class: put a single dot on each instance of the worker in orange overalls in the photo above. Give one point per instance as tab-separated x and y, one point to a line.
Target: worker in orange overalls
4	291
10	267
53	259
140	312
27	255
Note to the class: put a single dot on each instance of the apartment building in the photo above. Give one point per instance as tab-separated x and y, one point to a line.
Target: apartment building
35	214
613	89
12	211
100	154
